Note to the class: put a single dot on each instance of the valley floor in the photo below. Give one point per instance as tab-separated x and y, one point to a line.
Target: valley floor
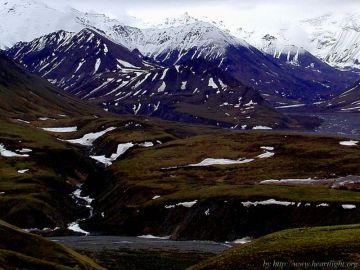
143	253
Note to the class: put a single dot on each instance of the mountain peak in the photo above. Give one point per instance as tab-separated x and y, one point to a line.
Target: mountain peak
178	21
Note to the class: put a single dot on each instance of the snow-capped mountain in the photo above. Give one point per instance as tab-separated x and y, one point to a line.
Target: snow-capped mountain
178	39
336	38
274	44
25	20
91	66
68	59
291	74
333	38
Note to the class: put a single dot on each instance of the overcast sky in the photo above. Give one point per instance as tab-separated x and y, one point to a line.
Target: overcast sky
240	12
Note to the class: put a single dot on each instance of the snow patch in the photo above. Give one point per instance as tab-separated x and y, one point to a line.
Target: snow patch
24	150
7	153
162	87
289	181
184	204
187	204
121	149
214	161
146	144
349	143
149	236
23	121
243	240
290	106
212	83
61	129
349	206
88	139
45	118
323	205
97	65
261	128
268	148
75	227
267	202
266	155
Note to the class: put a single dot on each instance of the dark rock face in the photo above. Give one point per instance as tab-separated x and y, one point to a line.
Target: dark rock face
222	219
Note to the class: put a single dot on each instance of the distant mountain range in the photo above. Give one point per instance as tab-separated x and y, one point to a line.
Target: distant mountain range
185	70
333	38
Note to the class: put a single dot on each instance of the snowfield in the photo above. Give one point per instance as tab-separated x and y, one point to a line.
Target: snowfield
349	206
349	143
266	155
24	150
334	38
243	240
220	161
61	129
75	227
6	153
223	161
184	204
149	236
23	121
267	202
88	139
261	128
289	181
121	149
146	144
323	205
267	148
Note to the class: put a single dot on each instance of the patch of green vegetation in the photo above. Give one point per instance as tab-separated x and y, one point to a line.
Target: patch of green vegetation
164	168
304	245
20	250
26	136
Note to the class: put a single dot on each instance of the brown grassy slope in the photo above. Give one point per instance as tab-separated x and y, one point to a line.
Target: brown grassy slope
319	244
20	250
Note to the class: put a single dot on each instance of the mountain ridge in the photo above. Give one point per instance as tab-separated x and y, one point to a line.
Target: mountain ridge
180	92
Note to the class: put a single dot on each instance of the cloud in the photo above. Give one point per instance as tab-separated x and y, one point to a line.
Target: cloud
255	13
